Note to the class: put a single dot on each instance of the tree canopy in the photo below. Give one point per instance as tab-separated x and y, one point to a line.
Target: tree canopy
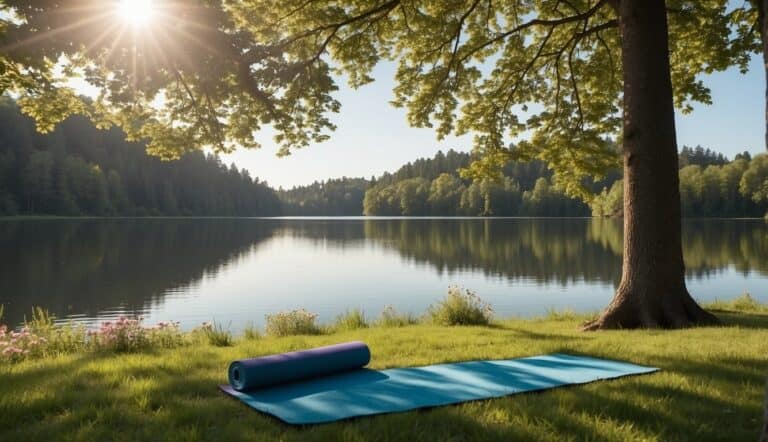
546	72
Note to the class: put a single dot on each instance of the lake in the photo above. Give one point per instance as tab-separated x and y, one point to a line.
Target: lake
237	270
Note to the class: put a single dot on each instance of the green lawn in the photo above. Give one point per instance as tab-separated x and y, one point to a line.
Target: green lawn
710	388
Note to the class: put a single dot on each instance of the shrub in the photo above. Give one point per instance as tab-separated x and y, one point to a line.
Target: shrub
42	322
392	318
41	336
294	322
66	339
350	320
216	334
127	335
18	345
745	302
461	307
58	339
122	335
251	332
165	334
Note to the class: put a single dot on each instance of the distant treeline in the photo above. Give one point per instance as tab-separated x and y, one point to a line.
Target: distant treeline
81	170
335	197
710	184
432	186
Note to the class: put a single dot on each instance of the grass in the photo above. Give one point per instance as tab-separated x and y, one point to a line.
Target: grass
564	315
745	302
251	332
217	335
294	322
350	320
710	387
392	318
460	307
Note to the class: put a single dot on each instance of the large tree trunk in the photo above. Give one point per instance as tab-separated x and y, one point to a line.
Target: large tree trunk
652	291
764	433
762	6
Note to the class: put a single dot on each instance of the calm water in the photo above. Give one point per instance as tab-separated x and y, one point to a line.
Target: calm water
237	270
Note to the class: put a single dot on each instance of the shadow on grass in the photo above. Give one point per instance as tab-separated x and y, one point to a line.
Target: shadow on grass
640	404
708	398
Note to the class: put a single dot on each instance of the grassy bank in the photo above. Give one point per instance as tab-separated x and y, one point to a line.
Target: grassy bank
710	387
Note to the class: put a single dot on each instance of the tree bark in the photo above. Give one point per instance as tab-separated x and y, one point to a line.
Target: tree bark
764	433
652	292
762	6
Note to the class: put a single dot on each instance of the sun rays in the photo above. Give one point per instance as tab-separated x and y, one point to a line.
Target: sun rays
147	34
137	13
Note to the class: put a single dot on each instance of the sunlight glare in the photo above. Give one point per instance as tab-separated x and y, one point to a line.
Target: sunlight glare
137	13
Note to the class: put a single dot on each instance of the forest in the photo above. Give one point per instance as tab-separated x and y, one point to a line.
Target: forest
81	170
711	186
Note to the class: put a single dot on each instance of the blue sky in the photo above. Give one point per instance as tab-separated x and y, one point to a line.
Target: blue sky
374	137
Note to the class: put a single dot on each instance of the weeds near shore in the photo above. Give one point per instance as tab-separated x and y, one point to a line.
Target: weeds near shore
251	332
392	318
216	334
350	320
745	302
294	322
41	336
461	307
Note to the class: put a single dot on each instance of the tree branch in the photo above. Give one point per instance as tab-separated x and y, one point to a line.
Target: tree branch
536	22
384	7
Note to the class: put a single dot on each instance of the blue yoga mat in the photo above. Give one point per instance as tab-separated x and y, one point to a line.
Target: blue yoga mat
363	392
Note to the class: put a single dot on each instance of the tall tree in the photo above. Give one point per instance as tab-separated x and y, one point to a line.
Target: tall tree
652	290
568	73
751	28
760	29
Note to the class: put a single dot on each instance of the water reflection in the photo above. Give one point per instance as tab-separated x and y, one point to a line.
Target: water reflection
82	267
229	267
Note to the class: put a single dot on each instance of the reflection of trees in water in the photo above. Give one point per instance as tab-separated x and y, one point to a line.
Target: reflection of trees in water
340	232
84	266
545	250
710	246
562	250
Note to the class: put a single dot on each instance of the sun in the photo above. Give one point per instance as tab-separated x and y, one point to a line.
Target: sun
137	13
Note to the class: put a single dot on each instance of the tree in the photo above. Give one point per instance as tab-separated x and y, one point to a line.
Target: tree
445	194
413	194
80	170
472	201
764	431
553	69
37	181
754	182
762	26
752	28
609	203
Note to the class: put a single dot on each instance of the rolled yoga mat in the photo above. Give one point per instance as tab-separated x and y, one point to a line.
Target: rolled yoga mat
361	392
247	374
